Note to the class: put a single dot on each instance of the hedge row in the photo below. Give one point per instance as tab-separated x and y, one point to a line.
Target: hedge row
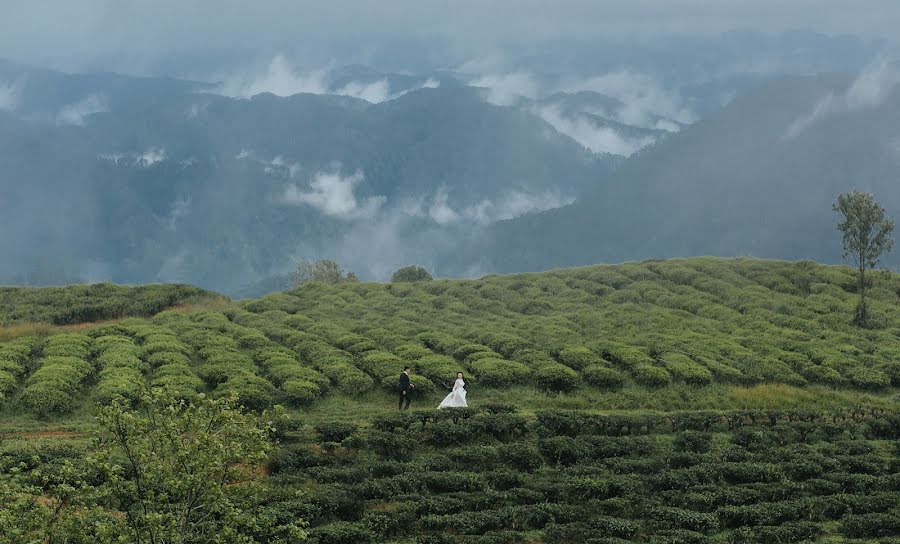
121	371
14	357
223	366
54	387
456	476
169	360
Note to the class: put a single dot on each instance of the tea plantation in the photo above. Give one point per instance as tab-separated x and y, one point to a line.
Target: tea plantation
695	400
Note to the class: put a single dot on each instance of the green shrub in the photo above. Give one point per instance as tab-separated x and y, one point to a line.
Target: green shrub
867	377
479	355
252	391
693	441
118	382
684	369
499	372
651	376
411	352
603	377
440	342
53	387
579	358
562	450
556	377
520	456
342	532
347	378
300	392
335	431
679	518
440	369
629	357
872	525
464	351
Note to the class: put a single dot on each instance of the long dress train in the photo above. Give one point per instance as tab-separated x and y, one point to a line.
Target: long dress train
457	397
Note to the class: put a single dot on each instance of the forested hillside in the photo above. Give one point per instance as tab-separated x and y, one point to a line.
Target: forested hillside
757	178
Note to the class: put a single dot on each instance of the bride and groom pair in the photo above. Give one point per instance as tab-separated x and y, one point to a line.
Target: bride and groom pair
455	399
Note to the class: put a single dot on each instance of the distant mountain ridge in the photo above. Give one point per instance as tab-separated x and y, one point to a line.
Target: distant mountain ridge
758	178
195	187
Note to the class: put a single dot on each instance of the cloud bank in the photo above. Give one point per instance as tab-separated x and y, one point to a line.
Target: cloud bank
333	194
646	103
76	113
9	94
599	139
869	90
279	78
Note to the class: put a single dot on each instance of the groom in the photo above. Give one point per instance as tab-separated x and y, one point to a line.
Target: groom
405	388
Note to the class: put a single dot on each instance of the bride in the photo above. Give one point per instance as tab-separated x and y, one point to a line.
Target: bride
457	397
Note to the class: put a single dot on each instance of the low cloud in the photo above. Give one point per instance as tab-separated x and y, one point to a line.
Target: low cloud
145	159
180	209
599	139
416	229
150	157
375	92
869	90
75	113
379	91
10	94
278	78
509	205
644	100
333	194
507	89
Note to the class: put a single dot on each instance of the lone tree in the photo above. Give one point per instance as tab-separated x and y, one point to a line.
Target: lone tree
411	273
324	270
866	236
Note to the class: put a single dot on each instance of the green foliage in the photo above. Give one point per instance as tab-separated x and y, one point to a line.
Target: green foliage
335	431
579	358
88	303
557	378
53	387
651	376
324	270
603	377
684	369
866	235
499	372
410	274
171	464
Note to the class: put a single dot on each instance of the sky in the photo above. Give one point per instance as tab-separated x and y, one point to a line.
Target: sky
153	36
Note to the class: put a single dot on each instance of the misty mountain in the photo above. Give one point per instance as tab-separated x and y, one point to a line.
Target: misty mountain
218	191
758	178
50	96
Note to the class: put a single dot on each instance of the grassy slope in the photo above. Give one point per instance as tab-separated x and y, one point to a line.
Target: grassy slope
772	324
764	333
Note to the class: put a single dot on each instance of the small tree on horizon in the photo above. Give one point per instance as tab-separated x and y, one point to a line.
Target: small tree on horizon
323	270
866	234
411	273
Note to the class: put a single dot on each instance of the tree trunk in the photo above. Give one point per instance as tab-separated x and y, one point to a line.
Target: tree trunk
861	313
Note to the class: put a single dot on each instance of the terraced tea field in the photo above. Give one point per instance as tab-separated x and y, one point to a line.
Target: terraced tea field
696	400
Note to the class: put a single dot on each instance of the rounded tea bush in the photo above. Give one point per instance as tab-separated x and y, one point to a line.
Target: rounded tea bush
603	377
579	358
300	392
557	378
499	372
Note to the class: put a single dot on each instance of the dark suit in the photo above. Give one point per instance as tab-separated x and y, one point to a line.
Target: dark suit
405	389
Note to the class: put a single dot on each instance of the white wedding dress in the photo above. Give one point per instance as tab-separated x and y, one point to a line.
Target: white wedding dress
457	397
